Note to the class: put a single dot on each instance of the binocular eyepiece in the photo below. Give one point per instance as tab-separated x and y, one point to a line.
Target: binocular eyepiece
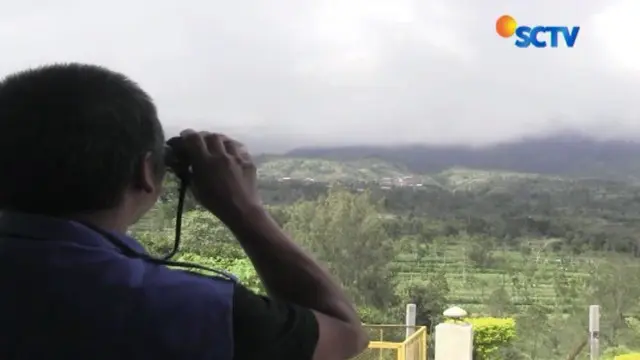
176	158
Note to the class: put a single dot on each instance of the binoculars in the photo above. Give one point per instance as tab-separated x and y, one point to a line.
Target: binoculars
176	158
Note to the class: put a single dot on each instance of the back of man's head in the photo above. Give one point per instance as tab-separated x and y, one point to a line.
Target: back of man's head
72	139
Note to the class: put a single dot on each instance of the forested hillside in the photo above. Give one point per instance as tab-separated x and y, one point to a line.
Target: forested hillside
585	214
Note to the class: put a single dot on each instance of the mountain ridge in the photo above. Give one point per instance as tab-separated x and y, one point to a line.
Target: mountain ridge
563	154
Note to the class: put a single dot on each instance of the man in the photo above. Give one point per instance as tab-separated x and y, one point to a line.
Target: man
81	159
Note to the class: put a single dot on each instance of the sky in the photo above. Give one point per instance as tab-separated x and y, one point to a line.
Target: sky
323	72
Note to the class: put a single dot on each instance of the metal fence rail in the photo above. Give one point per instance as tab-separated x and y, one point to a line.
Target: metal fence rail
390	342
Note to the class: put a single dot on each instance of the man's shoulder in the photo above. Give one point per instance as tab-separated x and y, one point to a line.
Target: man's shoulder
104	273
164	284
192	310
163	288
159	310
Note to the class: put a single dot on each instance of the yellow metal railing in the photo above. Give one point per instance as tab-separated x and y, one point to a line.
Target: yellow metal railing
390	342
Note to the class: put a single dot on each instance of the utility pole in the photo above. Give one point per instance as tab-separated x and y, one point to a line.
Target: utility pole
594	332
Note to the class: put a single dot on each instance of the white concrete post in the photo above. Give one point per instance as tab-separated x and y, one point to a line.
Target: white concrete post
454	341
410	328
410	319
594	332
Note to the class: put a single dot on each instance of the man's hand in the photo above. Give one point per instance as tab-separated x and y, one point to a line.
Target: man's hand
224	176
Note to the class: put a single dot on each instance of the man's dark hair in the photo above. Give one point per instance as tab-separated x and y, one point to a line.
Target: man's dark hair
73	138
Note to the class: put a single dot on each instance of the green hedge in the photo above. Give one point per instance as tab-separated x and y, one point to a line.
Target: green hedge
490	335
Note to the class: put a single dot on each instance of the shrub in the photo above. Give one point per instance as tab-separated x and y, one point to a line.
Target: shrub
241	268
632	356
610	353
490	335
371	315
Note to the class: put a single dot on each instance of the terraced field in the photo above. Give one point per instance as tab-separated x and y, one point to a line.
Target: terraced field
527	279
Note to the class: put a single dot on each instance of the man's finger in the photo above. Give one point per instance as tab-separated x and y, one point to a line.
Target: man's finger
215	144
244	155
194	144
232	147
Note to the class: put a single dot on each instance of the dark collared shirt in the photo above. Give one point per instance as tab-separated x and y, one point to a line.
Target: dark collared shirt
68	293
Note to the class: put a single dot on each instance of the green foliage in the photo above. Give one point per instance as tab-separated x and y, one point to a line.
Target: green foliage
205	235
202	234
205	241
372	315
613	352
499	303
241	268
346	232
632	356
480	251
490	335
429	294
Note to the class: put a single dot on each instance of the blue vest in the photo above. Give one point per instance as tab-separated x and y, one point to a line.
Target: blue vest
66	292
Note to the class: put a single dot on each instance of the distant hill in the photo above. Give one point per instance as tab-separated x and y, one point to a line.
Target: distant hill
564	155
523	184
323	170
496	181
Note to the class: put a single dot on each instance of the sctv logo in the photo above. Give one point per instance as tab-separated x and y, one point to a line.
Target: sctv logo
536	36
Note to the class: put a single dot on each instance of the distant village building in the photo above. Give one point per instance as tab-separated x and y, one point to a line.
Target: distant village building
401	181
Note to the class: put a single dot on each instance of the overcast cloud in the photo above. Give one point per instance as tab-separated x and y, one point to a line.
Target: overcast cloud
349	71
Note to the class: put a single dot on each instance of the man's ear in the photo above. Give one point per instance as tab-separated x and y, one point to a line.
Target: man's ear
148	179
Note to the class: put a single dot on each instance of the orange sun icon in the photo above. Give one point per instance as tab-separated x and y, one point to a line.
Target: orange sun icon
506	26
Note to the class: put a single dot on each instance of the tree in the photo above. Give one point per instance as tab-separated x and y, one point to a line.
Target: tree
204	234
429	294
499	303
346	232
480	251
613	285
